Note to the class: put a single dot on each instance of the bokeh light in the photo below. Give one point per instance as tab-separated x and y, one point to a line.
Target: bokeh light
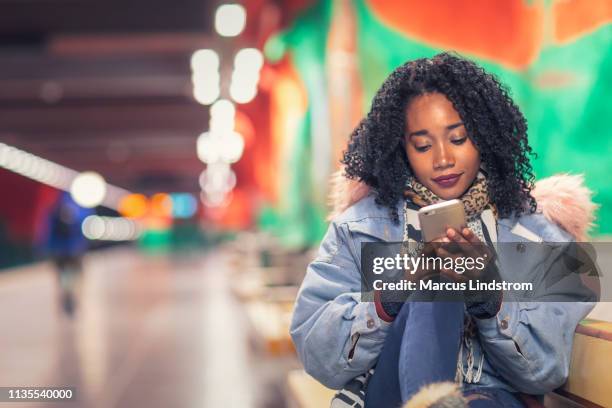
184	205
226	147
222	116
134	206
161	205
245	77
88	189
95	227
230	20
205	76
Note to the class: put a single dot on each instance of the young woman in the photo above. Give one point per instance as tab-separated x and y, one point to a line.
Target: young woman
440	129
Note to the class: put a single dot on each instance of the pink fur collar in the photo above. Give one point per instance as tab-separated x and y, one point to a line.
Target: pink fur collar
563	199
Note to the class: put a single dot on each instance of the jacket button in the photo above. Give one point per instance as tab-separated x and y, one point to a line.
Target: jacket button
504	324
370	323
520	247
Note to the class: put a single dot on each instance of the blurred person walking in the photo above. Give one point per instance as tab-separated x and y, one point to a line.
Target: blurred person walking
66	245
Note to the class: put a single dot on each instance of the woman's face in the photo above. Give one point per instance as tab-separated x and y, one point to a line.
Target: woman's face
441	155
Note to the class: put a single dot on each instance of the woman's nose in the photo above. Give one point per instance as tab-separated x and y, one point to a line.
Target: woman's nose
443	158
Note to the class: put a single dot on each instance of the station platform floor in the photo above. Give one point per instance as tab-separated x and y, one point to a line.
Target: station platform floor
149	331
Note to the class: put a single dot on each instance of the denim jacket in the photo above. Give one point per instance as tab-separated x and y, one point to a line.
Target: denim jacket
527	345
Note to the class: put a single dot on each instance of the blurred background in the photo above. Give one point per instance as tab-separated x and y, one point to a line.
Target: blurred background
164	167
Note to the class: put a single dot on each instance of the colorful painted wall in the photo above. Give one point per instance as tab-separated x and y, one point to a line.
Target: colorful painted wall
554	56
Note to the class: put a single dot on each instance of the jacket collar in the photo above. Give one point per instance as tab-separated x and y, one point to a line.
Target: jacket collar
563	199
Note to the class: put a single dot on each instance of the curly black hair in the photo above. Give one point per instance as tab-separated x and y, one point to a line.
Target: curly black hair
376	156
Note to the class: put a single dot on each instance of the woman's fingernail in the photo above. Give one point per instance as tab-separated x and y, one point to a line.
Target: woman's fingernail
450	232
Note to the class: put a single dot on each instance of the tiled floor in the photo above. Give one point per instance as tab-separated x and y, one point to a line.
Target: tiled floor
150	331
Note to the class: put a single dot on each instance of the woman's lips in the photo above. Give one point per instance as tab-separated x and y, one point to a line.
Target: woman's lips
447	181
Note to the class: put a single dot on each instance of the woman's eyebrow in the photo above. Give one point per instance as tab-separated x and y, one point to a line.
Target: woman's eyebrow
422	132
454	125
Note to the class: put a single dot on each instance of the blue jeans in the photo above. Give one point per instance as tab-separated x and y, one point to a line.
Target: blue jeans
422	347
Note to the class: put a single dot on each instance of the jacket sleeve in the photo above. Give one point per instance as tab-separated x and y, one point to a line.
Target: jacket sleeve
530	343
337	336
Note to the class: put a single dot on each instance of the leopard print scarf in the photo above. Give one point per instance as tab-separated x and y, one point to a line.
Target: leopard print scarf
475	200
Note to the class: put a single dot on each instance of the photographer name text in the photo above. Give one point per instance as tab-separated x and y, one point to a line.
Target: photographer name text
404	285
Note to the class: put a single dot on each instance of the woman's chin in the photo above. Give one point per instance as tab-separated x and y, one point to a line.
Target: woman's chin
449	193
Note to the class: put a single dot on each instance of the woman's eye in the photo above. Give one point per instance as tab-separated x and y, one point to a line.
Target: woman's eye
422	148
459	141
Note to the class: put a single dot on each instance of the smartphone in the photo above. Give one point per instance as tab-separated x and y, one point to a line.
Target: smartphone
437	218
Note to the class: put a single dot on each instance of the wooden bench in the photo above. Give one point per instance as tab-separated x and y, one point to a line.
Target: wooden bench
590	377
306	392
270	322
589	383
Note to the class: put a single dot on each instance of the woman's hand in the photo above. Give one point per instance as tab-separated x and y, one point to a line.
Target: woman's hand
464	244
